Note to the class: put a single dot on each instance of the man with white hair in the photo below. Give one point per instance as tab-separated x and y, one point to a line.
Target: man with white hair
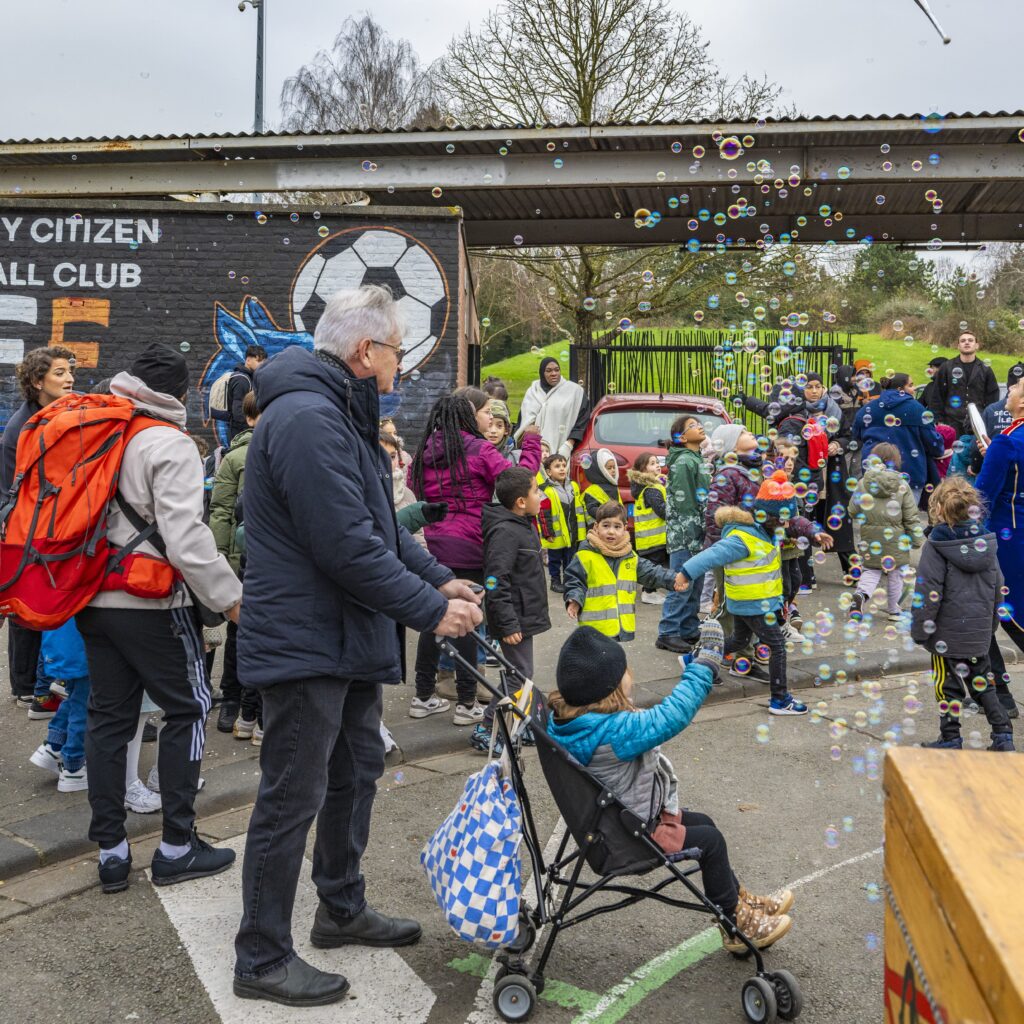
330	576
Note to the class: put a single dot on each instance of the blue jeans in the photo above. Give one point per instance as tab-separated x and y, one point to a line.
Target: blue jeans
66	733
558	562
321	758
445	663
42	684
679	612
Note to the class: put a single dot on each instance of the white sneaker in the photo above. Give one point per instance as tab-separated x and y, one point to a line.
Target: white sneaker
72	782
257	737
140	799
652	598
790	632
468	716
153	781
45	757
243	728
424	708
58	688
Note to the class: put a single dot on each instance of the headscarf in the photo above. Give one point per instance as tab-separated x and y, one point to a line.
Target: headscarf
544	363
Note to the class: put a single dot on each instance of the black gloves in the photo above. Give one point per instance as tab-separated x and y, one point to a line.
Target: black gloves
435	511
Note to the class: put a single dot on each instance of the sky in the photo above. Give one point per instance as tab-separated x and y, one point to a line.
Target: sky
127	67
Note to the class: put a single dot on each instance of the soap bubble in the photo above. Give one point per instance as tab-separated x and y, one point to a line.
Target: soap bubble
832	837
323	231
763	733
741	666
491	583
185	346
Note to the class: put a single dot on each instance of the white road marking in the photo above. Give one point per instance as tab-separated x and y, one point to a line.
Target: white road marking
483	1007
206	913
814	876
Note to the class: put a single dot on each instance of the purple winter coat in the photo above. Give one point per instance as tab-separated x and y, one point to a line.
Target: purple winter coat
457	541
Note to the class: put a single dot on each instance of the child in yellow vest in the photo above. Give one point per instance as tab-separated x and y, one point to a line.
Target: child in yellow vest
562	520
602	475
650	530
602	580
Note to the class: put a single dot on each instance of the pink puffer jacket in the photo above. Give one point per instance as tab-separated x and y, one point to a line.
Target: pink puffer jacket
457	541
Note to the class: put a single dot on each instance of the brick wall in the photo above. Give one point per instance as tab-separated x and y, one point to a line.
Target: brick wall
107	280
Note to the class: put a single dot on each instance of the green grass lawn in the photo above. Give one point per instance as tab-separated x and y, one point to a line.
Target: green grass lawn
518	372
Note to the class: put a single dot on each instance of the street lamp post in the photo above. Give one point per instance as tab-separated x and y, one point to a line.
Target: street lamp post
260	7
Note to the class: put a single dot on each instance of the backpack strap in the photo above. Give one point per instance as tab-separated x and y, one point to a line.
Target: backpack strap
145	531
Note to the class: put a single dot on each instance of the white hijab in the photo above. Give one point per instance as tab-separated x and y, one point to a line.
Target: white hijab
554	412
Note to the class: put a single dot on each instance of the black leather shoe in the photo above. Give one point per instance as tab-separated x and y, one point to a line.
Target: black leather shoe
557	588
675	644
226	717
296	983
367	928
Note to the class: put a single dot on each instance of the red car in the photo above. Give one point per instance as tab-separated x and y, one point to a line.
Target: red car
628	425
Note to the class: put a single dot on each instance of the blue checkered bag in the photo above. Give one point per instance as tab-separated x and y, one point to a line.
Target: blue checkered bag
472	861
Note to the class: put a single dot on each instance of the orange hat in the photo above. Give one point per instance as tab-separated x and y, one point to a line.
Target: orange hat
775	494
862	364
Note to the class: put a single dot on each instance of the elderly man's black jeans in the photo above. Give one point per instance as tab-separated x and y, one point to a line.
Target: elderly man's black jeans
321	757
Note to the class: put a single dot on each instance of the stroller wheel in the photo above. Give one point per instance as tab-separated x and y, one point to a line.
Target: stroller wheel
515	997
758	998
788	996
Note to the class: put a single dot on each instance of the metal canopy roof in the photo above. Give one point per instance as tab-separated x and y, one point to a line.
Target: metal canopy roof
574	184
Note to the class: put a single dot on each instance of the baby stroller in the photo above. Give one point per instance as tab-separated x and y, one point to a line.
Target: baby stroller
602	835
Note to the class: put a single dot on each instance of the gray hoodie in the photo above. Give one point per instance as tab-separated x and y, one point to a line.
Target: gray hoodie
162	479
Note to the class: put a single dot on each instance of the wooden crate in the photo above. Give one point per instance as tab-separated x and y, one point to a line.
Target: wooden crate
954	867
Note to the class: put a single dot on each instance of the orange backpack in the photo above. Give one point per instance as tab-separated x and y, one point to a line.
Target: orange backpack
54	552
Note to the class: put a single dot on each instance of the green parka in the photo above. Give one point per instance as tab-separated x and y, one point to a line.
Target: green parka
689	481
226	488
890	525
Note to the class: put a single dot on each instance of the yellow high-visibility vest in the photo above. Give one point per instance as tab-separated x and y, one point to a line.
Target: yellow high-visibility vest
758	577
600	495
561	530
610	604
649	528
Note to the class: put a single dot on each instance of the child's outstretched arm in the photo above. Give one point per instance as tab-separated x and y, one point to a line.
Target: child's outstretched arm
728	549
575	578
640	731
650	575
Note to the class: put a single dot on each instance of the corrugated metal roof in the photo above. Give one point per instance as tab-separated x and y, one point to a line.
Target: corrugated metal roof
764	125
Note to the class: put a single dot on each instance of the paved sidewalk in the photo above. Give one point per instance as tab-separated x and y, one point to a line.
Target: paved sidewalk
39	826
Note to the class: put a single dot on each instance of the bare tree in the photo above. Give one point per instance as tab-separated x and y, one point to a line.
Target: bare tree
367	80
543	61
546	61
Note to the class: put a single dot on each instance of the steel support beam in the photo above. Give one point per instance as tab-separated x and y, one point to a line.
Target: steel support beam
523	171
952	229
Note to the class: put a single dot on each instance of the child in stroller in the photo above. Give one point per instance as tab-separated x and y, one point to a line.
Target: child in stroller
593	717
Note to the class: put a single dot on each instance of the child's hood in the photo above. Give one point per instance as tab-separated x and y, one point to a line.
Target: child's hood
638	481
966	547
582	736
883	483
596	473
733	519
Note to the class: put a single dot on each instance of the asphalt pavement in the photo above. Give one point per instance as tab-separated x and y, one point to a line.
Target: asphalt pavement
799	801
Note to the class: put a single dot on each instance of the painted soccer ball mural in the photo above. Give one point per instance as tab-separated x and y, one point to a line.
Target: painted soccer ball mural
358	256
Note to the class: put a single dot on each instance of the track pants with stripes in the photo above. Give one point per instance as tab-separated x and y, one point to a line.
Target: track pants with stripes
955	681
160	652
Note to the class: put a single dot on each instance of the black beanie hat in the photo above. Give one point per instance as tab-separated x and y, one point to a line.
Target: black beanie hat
590	667
162	369
814	377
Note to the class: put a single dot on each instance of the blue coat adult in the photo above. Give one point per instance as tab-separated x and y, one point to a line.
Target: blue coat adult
1001	483
329	572
896	417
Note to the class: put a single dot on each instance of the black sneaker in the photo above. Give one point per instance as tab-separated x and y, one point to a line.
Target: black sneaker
675	644
114	872
226	717
200	861
754	672
557	588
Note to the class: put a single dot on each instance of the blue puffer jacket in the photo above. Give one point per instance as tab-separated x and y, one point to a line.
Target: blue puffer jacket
917	441
329	572
62	653
632	733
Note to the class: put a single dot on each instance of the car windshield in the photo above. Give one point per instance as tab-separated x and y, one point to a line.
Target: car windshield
644	427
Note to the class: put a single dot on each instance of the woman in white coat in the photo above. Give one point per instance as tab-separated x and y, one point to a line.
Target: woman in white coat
558	407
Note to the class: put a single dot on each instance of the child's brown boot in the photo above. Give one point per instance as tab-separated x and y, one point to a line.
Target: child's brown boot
777	902
762	929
